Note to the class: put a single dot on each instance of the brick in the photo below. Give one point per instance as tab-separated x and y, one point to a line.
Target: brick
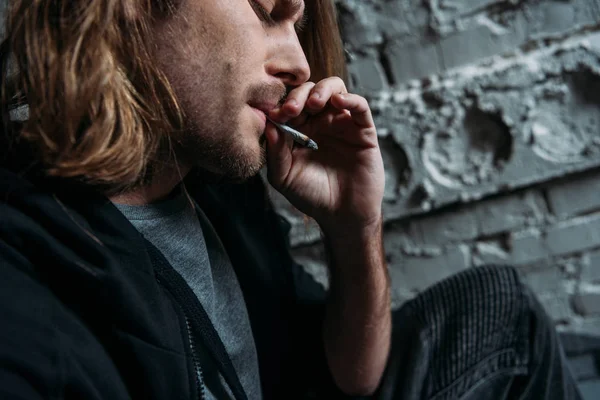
397	168
368	74
527	246
558	307
575	196
551	290
444	227
574	235
399	297
418	273
545	282
587	301
490	252
312	259
594	7
395	240
586	327
476	43
590	390
486	218
594	41
577	343
412	60
551	17
303	230
563	238
584	367
359	24
509	212
395	22
586	12
590	271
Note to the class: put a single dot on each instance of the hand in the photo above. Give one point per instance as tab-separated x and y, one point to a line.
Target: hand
341	184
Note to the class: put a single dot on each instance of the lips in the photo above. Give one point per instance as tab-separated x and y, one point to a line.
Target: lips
262	109
261	114
264	106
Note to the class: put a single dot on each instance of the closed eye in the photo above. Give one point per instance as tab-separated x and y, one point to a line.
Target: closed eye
262	13
301	24
265	16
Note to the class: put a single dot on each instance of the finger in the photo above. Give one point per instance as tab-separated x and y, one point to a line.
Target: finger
323	91
279	155
299	120
294	103
357	106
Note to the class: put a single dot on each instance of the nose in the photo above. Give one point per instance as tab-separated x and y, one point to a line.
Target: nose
288	62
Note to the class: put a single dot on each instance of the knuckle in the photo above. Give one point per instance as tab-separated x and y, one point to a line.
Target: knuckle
309	86
335	79
332	82
339	82
361	101
297	91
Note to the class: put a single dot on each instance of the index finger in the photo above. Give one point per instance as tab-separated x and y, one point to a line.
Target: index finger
357	106
324	90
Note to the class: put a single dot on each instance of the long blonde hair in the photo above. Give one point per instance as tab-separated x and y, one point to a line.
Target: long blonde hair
98	105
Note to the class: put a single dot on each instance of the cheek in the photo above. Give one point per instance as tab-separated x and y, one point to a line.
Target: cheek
246	49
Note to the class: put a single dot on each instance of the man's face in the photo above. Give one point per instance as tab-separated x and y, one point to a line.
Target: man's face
228	64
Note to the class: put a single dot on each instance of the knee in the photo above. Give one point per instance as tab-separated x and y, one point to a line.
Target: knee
484	310
486	296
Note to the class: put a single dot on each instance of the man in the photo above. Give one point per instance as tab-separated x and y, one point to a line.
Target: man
140	257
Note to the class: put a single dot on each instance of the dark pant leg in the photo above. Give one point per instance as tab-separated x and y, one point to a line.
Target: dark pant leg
480	334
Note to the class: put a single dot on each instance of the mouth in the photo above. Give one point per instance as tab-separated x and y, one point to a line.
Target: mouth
262	108
261	115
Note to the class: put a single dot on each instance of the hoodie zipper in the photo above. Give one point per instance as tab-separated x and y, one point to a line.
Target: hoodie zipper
197	368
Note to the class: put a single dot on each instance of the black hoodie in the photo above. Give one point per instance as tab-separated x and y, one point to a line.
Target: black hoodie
90	310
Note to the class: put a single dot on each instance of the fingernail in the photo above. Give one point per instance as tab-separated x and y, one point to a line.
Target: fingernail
292	102
315	96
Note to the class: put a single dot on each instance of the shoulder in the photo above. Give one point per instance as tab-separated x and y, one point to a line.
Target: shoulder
45	347
29	344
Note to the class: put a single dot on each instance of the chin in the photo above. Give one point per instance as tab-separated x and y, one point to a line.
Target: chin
236	165
251	165
227	156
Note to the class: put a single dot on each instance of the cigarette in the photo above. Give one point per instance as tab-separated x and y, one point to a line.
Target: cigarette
298	137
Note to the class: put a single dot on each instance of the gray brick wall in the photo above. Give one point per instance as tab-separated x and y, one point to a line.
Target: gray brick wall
489	120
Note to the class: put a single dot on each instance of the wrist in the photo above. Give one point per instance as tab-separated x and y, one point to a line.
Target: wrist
355	251
349	233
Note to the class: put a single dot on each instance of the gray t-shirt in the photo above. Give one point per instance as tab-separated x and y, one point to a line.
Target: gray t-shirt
189	242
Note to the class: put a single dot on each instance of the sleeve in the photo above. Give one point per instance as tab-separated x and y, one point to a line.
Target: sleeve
28	348
308	319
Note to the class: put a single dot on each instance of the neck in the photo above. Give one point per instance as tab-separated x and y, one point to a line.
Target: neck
161	185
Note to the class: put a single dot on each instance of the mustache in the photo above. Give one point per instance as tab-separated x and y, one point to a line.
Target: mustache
276	93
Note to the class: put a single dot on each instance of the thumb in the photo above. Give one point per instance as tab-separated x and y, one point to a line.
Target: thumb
279	155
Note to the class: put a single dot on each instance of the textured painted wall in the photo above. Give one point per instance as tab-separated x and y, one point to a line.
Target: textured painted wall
489	120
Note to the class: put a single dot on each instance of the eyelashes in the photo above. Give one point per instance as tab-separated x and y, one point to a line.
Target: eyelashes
267	19
262	13
301	24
